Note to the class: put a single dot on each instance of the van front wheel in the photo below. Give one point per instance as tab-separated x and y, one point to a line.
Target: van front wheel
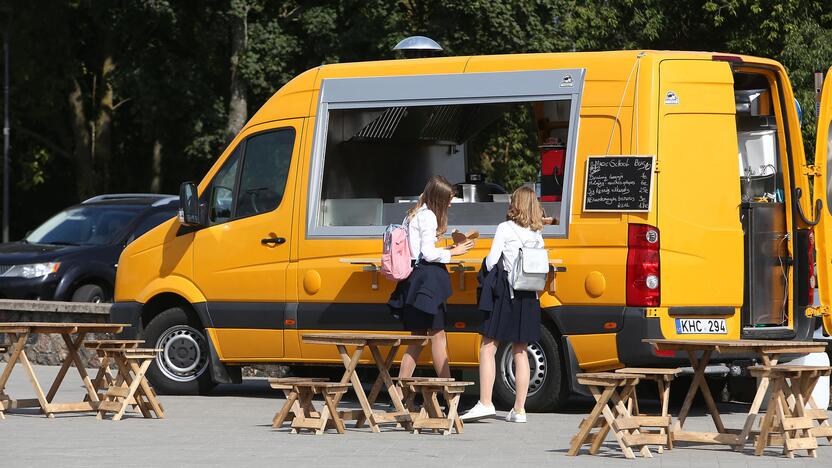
181	367
547	384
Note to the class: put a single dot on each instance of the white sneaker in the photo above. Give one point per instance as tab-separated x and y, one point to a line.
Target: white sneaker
479	411
516	417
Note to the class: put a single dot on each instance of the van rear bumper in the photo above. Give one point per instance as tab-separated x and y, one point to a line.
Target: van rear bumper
629	324
632	351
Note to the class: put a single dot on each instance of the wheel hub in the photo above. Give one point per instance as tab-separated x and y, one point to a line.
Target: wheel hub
537	367
184	355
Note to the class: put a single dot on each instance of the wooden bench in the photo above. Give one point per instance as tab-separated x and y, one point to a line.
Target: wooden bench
130	385
610	403
285	384
307	417
787	415
408	395
431	415
103	379
663	379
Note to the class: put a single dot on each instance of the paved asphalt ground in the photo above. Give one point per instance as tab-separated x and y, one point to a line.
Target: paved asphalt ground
232	427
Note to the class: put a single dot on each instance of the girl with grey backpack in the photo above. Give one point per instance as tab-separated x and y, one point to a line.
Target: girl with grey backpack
517	267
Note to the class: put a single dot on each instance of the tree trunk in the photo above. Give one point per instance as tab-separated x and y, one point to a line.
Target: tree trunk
103	152
156	177
237	105
81	151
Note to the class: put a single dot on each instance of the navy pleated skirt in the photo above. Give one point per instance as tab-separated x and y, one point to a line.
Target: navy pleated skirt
514	320
419	301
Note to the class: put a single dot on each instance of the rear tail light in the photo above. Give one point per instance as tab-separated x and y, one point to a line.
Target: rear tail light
727	58
643	274
810	254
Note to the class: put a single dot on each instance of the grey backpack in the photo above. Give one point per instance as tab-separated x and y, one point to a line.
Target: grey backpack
531	269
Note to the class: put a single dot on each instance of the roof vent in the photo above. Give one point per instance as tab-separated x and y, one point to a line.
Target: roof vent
418	46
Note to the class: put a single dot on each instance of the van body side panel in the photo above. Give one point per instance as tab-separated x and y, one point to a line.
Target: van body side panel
595	351
158	262
244	279
823	191
246	344
596	251
698	207
291	101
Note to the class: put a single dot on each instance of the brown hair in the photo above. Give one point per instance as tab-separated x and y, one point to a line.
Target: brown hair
437	194
525	210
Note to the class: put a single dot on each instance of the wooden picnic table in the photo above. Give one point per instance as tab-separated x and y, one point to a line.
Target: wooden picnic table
372	341
768	351
20	332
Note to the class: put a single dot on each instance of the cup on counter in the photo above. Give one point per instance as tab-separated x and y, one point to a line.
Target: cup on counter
469	193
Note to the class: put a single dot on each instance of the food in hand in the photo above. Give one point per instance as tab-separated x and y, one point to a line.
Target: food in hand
459	237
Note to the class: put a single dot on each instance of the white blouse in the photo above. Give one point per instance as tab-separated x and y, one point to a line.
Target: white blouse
421	234
507	243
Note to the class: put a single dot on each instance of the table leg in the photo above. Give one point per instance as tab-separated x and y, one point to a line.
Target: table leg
383	373
768	420
754	410
19	342
352	377
68	360
18	355
623	410
609	416
585	428
103	375
823	429
388	363
73	357
664	388
800	410
453	410
145	389
290	408
698	365
44	402
378	383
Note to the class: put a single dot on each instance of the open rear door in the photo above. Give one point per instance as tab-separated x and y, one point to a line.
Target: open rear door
823	191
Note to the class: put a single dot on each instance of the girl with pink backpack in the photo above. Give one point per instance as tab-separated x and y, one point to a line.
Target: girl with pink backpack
420	299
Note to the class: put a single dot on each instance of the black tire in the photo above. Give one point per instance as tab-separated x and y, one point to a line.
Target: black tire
182	367
548	388
90	293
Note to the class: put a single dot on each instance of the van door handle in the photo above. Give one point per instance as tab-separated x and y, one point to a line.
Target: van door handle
272	241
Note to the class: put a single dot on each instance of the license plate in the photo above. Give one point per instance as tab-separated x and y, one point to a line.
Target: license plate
685	326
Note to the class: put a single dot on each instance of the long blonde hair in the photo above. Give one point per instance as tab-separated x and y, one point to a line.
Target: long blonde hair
525	210
437	195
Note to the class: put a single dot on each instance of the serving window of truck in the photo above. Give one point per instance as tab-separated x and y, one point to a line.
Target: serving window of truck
379	139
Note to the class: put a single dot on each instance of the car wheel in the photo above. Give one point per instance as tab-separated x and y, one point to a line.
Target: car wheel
548	388
181	368
89	293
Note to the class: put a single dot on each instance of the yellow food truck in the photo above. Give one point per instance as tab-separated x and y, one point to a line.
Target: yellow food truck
684	206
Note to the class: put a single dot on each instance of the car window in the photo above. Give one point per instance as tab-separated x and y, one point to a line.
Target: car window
150	222
265	168
85	225
221	191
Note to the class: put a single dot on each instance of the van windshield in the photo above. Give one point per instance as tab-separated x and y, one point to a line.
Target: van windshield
85	225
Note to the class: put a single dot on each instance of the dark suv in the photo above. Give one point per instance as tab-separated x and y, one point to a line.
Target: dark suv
73	256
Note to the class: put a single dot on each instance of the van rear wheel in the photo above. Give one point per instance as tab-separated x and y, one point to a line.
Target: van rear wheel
547	384
181	368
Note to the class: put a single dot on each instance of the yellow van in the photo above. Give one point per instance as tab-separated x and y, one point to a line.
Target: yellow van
283	235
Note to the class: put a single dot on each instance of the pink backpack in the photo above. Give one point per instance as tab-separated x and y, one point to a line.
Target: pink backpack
395	256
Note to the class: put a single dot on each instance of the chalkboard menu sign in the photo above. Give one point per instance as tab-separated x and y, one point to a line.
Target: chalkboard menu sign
619	183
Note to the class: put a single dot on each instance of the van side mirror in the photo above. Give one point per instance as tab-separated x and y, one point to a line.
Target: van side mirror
188	205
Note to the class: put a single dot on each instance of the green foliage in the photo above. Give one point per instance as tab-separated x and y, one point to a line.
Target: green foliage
171	69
